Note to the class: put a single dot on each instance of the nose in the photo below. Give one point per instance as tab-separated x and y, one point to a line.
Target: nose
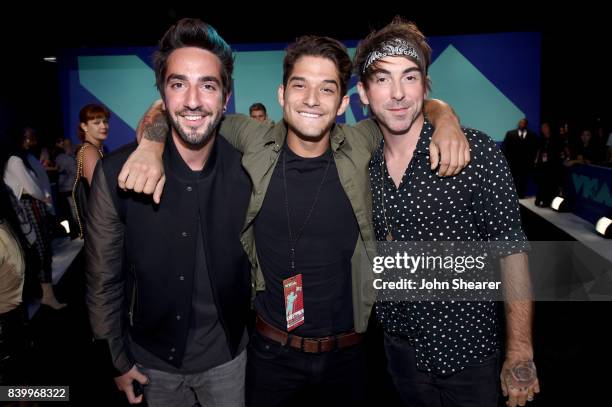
192	100
397	91
312	97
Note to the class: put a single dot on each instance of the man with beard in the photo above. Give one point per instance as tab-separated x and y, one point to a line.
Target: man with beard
173	310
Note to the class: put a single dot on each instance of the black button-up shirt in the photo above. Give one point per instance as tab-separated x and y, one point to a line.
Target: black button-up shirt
479	204
206	344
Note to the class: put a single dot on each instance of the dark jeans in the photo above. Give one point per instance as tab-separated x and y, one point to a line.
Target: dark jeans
279	375
475	386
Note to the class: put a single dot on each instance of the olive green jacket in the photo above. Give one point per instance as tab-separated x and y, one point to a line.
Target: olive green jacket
352	148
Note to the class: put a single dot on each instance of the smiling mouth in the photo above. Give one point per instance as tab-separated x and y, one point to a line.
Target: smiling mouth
310	115
192	118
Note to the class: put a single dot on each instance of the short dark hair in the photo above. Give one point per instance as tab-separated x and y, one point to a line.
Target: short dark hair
191	32
89	112
257	106
398	28
311	45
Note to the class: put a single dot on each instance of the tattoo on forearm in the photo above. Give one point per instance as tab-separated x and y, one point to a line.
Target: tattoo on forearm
157	130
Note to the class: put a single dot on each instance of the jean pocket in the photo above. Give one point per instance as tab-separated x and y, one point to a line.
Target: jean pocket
265	348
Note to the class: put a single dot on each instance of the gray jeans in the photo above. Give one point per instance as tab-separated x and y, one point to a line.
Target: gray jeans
221	386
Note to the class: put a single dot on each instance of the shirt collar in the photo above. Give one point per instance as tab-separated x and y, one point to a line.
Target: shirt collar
422	147
179	167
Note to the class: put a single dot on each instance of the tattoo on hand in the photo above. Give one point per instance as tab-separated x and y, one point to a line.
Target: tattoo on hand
157	130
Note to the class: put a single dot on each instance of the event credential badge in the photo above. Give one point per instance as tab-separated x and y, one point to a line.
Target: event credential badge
294	301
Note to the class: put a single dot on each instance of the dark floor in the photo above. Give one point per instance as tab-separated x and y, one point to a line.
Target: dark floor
572	347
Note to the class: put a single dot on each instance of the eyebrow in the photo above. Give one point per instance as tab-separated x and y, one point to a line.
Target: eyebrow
407	70
180	77
301	78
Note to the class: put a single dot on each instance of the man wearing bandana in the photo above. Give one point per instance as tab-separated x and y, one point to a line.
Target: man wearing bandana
441	353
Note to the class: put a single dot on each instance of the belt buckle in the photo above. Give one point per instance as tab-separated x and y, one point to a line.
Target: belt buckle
301	343
318	341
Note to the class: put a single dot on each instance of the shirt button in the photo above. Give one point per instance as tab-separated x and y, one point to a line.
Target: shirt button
172	350
178	317
182	278
184	234
189	189
170	357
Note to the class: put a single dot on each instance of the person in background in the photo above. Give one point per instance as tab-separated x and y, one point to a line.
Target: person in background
258	112
66	167
31	153
12	276
20	178
520	147
92	131
587	150
547	171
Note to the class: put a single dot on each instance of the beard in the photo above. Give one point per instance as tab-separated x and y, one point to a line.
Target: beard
190	135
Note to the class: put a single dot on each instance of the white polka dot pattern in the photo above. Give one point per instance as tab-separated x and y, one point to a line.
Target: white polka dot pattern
479	204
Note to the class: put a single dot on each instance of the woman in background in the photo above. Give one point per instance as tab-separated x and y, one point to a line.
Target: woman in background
20	178
92	131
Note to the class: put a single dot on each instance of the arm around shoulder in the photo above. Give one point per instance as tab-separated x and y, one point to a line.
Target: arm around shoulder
241	131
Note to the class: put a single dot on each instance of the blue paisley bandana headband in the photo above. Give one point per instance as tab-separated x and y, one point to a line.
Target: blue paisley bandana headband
392	48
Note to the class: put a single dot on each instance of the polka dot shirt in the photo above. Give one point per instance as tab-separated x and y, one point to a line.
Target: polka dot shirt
479	204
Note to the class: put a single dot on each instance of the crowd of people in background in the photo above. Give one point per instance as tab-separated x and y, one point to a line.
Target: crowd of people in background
545	159
37	205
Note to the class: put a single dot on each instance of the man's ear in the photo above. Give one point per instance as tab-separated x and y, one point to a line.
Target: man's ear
281	95
343	105
227	99
362	94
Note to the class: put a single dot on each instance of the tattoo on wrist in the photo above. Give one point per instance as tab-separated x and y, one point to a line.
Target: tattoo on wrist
157	130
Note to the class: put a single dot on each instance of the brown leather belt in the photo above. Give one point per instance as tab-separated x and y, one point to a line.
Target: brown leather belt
308	345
